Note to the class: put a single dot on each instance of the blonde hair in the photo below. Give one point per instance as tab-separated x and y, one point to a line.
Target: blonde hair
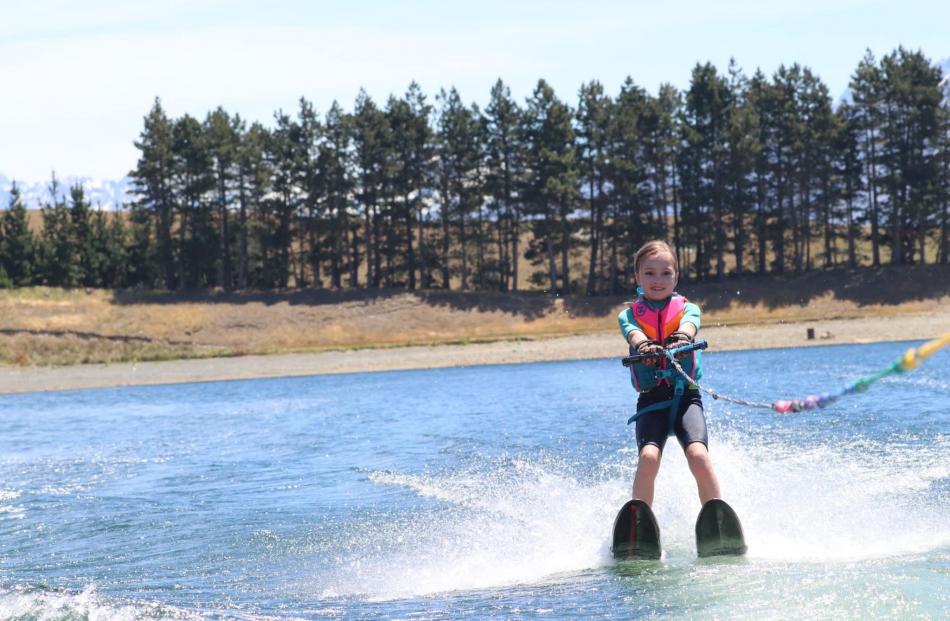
657	246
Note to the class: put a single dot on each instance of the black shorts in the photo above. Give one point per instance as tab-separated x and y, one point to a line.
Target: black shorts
654	427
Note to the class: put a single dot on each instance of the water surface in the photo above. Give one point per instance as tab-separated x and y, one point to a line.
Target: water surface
472	492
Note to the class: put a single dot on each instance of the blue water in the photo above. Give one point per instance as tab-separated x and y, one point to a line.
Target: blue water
472	493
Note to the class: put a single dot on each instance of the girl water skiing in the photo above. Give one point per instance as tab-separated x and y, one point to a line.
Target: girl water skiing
662	319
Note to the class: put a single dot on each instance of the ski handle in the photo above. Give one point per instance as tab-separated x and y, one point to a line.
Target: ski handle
629	361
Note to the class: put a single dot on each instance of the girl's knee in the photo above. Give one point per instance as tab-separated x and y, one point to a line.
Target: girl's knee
649	457
698	455
697	449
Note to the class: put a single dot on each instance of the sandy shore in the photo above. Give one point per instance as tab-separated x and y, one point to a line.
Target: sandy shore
603	345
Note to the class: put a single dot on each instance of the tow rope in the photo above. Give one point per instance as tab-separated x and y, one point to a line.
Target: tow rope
911	359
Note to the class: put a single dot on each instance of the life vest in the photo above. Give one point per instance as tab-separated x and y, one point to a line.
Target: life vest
658	325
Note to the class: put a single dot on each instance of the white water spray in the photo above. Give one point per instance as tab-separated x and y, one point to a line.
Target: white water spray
527	521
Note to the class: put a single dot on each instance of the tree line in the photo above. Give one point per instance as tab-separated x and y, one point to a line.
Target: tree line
742	174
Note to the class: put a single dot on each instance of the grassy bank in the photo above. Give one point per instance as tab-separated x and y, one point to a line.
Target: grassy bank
41	326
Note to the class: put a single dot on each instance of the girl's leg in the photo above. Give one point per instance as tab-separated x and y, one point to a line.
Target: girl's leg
700	464
647	468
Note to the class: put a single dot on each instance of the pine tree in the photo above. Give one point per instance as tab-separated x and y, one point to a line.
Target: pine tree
816	121
284	153
785	145
660	145
420	150
551	181
16	242
483	232
369	135
401	186
866	90
112	243
669	105
58	261
503	162
313	199
593	114
742	151
197	251
85	251
143	264
850	169
152	181
458	156
942	198
222	135
630	221
760	99
336	185
910	143
254	183
704	151
821	131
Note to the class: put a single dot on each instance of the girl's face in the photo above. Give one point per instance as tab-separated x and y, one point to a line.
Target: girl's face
657	276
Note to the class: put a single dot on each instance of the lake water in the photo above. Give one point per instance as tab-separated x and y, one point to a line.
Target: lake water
472	493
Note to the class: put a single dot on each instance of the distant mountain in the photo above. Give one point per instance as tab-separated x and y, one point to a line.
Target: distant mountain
107	193
944	65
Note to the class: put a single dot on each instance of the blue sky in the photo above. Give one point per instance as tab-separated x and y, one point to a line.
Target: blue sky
79	76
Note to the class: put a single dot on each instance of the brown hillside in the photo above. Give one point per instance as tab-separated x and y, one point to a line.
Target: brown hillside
43	326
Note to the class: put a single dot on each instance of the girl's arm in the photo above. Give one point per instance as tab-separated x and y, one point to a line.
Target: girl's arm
635	336
691	321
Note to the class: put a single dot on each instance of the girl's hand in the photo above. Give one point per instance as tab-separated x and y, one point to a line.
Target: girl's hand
678	339
647	348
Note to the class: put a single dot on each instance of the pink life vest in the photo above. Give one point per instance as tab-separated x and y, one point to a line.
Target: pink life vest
658	325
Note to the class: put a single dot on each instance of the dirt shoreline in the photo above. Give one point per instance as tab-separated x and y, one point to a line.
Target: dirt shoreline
577	347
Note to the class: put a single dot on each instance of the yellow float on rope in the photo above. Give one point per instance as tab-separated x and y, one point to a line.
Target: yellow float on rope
929	348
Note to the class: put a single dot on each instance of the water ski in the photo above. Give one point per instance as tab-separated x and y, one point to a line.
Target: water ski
718	530
636	534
